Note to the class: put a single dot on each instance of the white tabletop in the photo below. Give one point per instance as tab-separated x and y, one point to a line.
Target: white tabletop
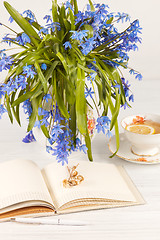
137	222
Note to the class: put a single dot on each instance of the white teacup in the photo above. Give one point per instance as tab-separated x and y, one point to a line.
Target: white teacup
142	145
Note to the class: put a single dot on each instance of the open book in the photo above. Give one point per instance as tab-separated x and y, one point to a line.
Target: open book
27	190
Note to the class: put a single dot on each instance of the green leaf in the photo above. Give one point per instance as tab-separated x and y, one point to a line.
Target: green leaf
89	28
75	7
23	23
41	76
34	24
32	118
19	55
21	98
16	114
29	60
72	19
54	11
10	73
61	105
85	69
67	24
111	106
9	109
100	87
50	70
72	122
91	5
16	111
63	61
48	75
109	21
105	69
116	109
74	4
81	102
45	131
59	99
78	53
88	145
117	138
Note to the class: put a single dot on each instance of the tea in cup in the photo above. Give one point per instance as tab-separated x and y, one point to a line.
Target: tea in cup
143	132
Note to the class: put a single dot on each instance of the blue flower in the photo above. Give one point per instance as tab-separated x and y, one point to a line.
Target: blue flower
43	66
48	18
57	129
91	77
43	30
89	92
79	17
79	35
2	110
132	71
68	5
23	39
117	86
134	47
47	97
5	63
27	107
106	120
125	105
131	98
67	45
88	45
102	124
28	71
44	121
2	65
63	159
37	124
10	19
7	39
83	148
29	138
53	26
108	134
21	81
78	142
2	93
52	139
123	17
28	13
139	76
49	148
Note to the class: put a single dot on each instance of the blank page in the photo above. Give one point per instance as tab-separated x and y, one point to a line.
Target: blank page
100	181
20	181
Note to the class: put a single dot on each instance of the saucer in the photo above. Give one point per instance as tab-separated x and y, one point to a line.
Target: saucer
125	153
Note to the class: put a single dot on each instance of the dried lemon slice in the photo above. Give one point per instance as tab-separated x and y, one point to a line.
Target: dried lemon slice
141	129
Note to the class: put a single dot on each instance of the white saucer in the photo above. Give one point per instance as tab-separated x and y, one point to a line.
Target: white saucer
125	152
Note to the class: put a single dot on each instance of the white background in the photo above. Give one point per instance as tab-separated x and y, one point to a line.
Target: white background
146	60
140	222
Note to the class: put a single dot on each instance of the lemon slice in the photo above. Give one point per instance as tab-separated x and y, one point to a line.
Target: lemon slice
141	129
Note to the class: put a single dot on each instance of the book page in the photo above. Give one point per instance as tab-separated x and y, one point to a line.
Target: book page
21	181
101	181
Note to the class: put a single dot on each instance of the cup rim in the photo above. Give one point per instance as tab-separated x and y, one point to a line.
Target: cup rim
143	115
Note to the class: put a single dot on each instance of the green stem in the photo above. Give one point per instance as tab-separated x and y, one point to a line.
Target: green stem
9	28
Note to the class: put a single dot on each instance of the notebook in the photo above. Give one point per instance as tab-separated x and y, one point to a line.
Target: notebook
27	190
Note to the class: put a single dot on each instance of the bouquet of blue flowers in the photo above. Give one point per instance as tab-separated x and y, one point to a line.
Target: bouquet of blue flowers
75	60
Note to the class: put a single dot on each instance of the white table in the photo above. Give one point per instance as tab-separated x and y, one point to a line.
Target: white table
137	222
